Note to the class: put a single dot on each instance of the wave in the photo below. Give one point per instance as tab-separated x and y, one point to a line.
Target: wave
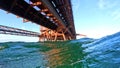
82	53
104	52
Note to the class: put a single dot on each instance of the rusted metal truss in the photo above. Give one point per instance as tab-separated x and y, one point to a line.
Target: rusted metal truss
15	31
52	35
27	11
56	15
62	11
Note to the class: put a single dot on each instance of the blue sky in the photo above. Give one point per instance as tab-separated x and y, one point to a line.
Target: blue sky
12	21
94	18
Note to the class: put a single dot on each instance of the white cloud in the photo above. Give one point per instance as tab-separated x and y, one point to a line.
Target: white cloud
106	4
111	6
116	17
116	14
101	4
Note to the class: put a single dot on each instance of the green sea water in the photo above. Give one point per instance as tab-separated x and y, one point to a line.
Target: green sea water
82	53
41	55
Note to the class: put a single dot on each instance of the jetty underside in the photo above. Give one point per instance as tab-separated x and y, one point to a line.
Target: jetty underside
54	16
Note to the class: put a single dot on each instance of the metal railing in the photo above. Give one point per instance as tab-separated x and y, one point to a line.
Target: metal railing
16	31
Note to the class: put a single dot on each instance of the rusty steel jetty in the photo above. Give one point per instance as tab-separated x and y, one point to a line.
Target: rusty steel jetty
54	17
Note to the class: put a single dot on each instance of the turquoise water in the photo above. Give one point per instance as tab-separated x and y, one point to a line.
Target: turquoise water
82	53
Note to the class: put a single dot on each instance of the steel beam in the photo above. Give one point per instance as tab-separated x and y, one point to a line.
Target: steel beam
50	14
53	11
15	31
18	7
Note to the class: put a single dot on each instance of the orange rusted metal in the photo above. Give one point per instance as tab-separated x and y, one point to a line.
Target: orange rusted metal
55	15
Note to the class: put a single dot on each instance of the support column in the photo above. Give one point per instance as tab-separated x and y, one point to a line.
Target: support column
70	38
39	38
63	36
56	34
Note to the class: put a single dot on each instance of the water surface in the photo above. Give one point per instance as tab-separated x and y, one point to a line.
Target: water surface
82	53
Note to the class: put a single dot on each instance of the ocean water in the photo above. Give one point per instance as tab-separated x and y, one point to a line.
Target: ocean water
81	53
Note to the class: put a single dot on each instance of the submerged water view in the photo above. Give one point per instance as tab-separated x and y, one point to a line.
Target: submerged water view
82	53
